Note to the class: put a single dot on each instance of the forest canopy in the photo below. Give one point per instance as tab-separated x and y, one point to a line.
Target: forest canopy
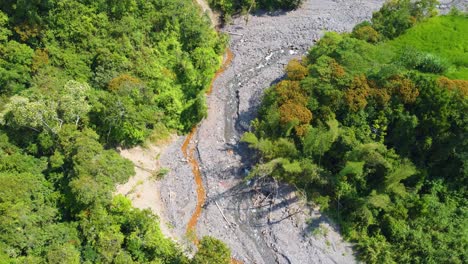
78	78
372	126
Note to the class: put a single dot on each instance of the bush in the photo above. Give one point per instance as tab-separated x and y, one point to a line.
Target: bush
424	62
431	64
210	251
396	16
366	32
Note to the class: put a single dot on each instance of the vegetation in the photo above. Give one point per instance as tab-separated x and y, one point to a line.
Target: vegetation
76	79
375	133
231	7
212	251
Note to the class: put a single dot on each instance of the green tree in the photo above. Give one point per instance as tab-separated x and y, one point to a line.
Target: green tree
212	250
15	62
63	254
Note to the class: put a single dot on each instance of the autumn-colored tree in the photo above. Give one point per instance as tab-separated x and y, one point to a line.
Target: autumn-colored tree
295	70
295	113
381	96
337	71
454	85
290	92
356	94
122	80
293	100
405	88
27	31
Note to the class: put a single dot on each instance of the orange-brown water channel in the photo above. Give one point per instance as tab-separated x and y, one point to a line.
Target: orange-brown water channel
189	152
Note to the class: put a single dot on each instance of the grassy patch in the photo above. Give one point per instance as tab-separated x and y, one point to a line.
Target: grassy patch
443	36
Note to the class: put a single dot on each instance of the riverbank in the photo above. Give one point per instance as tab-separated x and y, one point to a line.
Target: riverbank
260	222
258	226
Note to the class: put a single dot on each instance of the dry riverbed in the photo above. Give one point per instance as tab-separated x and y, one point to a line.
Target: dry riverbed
258	223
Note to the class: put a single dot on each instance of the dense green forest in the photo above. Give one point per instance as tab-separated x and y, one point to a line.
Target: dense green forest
77	78
231	7
373	126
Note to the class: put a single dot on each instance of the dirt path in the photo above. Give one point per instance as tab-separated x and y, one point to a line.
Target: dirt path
143	189
214	17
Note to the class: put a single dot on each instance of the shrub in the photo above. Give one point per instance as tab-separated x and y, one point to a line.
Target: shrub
421	61
366	33
431	64
212	250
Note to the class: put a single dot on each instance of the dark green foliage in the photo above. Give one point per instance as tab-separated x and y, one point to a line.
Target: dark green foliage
279	4
396	16
150	60
231	7
15	64
77	78
385	153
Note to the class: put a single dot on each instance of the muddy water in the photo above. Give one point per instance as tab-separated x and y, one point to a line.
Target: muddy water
189	153
188	149
227	61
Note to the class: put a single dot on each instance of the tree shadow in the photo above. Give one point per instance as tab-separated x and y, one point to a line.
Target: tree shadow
258	201
275	13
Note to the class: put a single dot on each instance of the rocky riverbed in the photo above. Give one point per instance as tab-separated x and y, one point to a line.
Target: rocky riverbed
258	223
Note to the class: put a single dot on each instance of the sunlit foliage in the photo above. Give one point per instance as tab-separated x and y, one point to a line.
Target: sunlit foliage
385	153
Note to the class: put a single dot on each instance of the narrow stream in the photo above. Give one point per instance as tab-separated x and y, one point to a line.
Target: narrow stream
189	153
188	149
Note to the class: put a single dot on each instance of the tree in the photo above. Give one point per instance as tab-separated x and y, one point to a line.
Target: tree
454	85
356	94
366	32
32	11
146	62
290	92
15	62
396	16
319	140
212	250
295	70
391	167
296	115
63	254
39	111
4	31
26	206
